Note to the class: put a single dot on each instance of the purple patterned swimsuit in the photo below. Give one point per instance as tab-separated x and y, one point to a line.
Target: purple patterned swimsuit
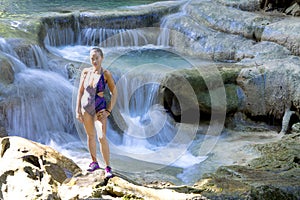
94	103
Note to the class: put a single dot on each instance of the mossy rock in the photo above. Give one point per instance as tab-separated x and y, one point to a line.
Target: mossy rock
31	29
209	87
6	71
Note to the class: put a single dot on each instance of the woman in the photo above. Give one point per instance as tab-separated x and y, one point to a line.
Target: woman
91	109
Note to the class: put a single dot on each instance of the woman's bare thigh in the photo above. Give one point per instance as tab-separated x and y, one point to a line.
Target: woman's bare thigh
88	122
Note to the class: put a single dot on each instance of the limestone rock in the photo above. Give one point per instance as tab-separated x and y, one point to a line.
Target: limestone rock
122	188
30	170
271	87
202	90
285	32
247	5
274	175
248	24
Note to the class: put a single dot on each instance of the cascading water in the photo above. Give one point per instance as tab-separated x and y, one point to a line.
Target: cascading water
93	36
41	106
148	124
38	102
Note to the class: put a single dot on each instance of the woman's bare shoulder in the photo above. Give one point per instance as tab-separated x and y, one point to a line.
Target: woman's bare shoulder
107	75
85	70
106	71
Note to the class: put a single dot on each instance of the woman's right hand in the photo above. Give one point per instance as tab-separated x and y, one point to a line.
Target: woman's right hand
79	117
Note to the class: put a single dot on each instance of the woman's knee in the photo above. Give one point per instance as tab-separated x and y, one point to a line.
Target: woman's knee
102	140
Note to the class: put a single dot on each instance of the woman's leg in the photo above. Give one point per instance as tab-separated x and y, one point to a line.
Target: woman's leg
88	122
104	148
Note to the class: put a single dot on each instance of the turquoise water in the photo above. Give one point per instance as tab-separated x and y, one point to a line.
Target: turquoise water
130	57
20	7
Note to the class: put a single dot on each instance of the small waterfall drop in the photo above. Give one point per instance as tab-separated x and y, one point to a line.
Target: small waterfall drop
73	33
34	57
59	36
15	63
151	131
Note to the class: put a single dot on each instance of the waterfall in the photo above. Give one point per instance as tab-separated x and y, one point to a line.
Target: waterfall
33	56
111	37
59	36
37	103
94	36
40	106
73	31
149	126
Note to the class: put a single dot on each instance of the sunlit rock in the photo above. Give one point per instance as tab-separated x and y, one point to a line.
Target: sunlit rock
271	87
30	170
285	32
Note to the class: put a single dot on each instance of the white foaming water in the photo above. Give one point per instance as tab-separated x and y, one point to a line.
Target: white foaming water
77	53
41	105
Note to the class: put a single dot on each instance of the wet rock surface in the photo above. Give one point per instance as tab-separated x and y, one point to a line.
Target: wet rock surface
273	175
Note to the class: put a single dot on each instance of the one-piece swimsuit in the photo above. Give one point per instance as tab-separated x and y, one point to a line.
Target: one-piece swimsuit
94	103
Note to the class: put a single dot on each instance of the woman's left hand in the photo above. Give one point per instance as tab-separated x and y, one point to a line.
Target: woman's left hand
102	114
108	112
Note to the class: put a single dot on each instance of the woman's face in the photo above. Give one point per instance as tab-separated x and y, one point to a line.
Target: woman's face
95	58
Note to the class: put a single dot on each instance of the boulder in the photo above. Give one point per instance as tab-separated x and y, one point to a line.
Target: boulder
247	5
285	32
248	24
271	88
207	89
122	188
30	170
196	39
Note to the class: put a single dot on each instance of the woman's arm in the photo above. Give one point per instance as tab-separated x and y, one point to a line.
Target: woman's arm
79	95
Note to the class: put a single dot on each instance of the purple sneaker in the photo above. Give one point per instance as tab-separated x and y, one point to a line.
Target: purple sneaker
108	173
93	166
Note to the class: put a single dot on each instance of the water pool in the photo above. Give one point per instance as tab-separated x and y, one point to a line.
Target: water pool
28	7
